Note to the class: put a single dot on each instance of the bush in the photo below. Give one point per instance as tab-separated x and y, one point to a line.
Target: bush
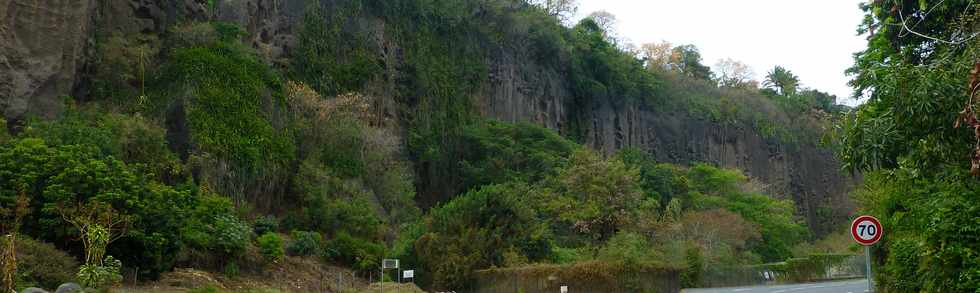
474	230
100	276
500	152
67	174
693	275
332	204
231	235
562	255
360	254
304	243
270	245
629	248
810	268
42	265
265	224
131	138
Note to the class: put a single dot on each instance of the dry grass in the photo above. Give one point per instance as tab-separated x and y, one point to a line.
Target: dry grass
292	274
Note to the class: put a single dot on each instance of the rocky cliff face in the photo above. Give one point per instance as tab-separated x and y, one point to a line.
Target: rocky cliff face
45	44
42	45
518	90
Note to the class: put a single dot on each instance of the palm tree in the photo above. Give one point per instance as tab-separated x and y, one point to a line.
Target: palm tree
782	80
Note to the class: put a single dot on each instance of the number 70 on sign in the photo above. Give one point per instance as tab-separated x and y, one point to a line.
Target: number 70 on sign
866	230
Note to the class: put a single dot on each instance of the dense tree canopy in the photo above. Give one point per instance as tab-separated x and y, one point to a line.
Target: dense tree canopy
916	74
687	60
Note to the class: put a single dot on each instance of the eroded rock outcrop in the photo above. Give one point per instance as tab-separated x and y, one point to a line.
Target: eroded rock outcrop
42	48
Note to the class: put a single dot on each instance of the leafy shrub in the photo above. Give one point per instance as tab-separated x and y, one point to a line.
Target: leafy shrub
336	139
71	174
903	265
100	276
475	230
130	138
630	249
778	225
693	274
231	235
213	227
270	245
360	254
562	255
591	199
265	224
811	268
498	152
41	264
231	269
332	204
305	243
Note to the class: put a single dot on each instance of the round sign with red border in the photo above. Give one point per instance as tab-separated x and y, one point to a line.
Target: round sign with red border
866	230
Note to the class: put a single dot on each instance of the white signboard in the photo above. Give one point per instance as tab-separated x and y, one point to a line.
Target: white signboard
564	289
408	274
389	264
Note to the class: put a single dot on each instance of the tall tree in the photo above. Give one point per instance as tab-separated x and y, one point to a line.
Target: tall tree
782	80
687	60
657	55
732	73
607	23
561	9
605	20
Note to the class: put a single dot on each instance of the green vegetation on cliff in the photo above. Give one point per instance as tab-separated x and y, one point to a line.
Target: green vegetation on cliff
227	163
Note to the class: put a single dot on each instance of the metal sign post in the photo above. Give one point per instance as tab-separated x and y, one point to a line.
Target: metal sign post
867	253
406	274
386	264
867	230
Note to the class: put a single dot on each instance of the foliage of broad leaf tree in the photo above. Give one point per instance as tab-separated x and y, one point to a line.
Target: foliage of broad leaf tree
732	73
913	144
687	60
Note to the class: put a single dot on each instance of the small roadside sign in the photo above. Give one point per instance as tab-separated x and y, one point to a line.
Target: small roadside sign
866	230
564	289
389	264
408	274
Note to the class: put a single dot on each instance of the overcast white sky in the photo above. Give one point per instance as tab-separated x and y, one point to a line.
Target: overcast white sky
814	39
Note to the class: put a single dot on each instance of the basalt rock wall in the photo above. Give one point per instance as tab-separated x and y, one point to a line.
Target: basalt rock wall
46	47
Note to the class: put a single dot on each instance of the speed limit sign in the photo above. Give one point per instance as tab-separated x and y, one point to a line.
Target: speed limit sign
866	230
